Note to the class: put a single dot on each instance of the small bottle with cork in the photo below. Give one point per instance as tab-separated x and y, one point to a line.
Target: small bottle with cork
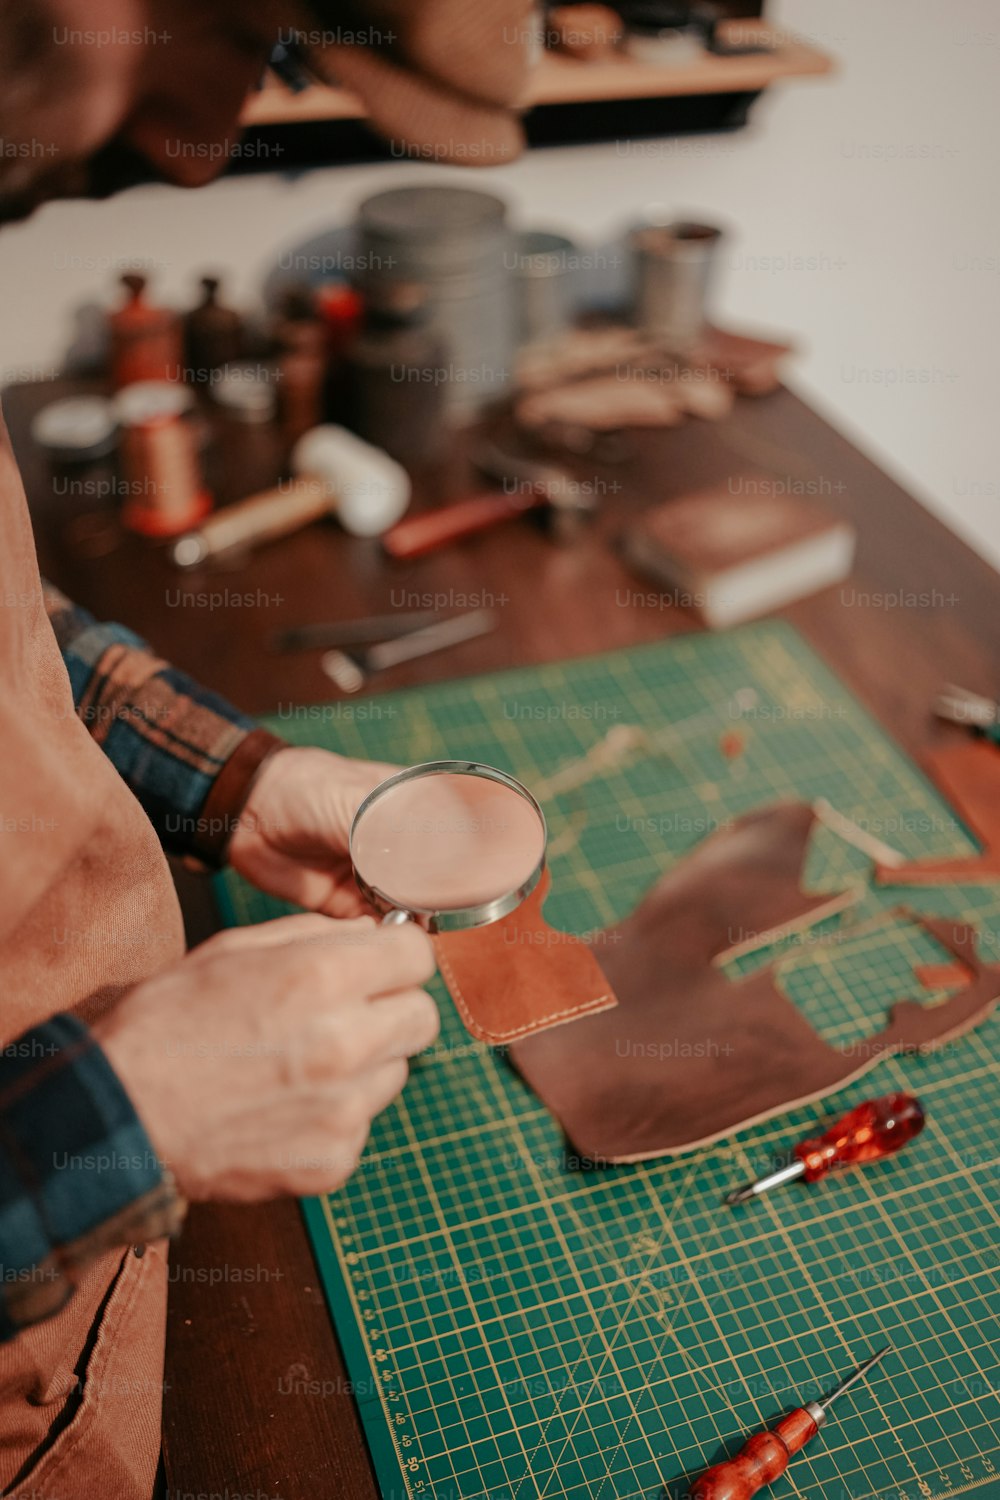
213	333
146	341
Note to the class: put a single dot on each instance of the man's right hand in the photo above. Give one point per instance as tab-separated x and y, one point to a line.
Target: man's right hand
258	1063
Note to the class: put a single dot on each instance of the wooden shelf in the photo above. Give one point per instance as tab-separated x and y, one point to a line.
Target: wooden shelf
562	80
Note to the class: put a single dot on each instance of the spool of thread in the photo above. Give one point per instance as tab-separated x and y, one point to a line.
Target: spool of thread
160	467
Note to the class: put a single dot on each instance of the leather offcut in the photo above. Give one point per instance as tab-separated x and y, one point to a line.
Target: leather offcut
519	975
689	1055
969	775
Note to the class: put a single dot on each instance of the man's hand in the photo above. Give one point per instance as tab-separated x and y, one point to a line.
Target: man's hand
292	837
258	1063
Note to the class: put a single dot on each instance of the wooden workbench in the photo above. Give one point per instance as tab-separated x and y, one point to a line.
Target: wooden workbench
921	609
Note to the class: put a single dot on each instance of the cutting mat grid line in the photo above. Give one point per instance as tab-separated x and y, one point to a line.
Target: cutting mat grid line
541	1333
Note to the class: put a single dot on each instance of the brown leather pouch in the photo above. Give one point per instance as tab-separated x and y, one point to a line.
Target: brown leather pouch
519	975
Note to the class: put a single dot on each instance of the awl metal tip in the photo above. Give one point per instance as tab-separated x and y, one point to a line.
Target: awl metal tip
858	1374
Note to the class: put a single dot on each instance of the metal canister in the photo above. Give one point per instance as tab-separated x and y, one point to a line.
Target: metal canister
248	452
673	271
544	267
453	241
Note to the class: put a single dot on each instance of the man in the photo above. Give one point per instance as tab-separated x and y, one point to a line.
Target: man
132	1078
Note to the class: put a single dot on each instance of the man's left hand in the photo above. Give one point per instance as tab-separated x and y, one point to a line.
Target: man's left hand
292	837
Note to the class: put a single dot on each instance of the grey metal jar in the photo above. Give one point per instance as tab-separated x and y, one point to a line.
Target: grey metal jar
673	266
545	275
454	242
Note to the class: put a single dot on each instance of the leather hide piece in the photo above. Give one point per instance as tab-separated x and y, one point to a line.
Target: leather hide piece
519	975
968	773
689	1056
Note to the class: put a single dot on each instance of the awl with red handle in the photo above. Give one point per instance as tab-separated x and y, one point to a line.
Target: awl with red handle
873	1130
766	1455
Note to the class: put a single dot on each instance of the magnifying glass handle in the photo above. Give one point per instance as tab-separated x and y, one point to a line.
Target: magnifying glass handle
395	918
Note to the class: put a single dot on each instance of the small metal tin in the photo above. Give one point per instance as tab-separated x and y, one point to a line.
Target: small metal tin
245	391
674	264
146	400
78	429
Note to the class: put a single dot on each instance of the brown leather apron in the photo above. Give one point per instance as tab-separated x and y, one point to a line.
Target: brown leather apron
87	910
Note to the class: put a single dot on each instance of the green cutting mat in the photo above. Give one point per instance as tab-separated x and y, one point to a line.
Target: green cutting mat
527	1331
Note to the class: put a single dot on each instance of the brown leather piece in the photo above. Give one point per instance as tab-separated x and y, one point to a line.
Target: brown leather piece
753	365
968	773
914	1027
604	403
519	975
689	1055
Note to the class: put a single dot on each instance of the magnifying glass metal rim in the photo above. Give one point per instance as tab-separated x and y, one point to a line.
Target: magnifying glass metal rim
480	914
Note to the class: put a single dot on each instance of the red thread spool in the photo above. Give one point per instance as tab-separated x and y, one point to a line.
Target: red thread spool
166	495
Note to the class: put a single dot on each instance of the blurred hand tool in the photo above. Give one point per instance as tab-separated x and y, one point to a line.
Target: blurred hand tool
766	1455
971	710
337	474
527	485
350	673
353	632
873	1130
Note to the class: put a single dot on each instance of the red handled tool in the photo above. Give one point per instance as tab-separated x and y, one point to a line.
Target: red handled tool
872	1130
766	1455
417	535
525	485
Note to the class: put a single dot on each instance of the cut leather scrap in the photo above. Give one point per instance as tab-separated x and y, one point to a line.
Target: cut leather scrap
744	885
519	975
688	1056
915	1027
968	773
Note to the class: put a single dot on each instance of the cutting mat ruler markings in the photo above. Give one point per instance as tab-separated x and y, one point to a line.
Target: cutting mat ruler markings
519	1331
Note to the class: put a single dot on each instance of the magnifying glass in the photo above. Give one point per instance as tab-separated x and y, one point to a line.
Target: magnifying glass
451	844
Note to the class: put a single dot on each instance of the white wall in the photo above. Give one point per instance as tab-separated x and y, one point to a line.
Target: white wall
865	216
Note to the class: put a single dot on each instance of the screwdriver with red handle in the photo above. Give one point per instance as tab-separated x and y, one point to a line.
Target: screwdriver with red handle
766	1455
873	1130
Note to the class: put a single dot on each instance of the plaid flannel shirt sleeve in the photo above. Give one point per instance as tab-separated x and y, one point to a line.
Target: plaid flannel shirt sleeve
187	754
78	1174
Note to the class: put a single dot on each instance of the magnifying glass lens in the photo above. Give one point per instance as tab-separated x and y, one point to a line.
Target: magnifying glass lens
447	842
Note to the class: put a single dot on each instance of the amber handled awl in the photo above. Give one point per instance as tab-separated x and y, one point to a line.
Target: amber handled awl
874	1129
766	1455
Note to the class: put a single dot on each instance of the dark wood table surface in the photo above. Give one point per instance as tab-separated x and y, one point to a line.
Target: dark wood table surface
247	1318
